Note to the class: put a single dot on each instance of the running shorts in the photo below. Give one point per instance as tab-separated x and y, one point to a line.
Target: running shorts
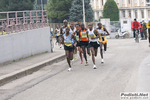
78	44
84	43
94	44
67	48
57	37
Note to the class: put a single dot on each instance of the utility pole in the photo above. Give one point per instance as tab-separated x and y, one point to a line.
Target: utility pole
83	13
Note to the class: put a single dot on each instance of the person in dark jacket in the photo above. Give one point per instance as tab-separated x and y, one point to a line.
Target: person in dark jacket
141	31
144	30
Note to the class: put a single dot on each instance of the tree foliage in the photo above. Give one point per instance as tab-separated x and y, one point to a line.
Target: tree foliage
111	10
16	5
76	11
58	10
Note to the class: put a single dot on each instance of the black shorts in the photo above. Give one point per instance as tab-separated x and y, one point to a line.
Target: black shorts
78	44
57	37
70	49
93	44
84	43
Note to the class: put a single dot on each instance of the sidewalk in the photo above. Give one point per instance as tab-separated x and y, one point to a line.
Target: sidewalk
14	70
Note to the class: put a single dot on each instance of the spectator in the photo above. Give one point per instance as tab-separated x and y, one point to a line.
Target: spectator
135	25
144	30
141	31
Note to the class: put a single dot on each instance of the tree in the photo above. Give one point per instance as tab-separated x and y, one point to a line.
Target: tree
58	10
16	5
111	10
76	11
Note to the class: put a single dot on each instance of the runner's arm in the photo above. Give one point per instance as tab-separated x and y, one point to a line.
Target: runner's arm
87	35
55	31
106	31
62	42
73	37
61	31
96	32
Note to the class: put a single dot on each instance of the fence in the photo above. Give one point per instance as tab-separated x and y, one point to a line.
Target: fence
16	21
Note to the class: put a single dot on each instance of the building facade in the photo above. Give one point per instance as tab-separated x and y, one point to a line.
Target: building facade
139	9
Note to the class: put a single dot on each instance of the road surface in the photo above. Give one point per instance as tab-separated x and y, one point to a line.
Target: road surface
121	72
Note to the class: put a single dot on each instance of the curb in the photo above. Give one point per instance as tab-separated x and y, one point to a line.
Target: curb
29	70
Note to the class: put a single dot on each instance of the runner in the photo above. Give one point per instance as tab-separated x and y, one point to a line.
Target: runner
78	45
72	31
84	42
93	36
63	30
57	34
68	46
72	28
103	40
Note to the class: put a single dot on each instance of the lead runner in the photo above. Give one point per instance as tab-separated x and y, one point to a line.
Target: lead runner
68	42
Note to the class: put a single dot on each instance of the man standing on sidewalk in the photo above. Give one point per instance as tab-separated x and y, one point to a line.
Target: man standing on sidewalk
144	30
148	30
141	31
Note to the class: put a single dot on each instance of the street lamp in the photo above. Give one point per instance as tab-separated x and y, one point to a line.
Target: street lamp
83	13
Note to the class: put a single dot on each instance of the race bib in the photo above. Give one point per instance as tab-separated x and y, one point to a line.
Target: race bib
77	38
83	34
68	43
58	34
91	35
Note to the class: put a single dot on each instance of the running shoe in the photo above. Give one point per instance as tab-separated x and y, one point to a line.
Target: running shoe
86	63
70	69
61	46
72	60
89	54
81	61
94	67
75	57
104	52
102	61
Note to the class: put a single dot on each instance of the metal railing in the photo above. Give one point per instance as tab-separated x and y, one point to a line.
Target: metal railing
16	21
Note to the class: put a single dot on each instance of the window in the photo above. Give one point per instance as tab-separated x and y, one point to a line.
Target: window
93	3
142	1
123	2
102	2
129	1
123	14
149	13
129	13
135	13
97	2
142	13
117	1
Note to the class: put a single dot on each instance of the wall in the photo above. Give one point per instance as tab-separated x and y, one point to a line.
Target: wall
23	44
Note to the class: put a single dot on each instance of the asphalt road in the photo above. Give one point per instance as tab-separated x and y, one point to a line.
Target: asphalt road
121	72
